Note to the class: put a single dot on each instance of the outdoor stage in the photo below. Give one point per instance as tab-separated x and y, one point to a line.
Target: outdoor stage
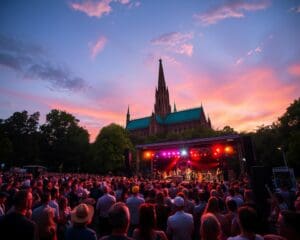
216	158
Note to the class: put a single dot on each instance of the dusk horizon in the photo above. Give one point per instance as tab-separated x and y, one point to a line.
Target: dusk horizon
93	59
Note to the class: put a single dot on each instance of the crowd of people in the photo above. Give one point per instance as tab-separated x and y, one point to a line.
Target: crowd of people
90	207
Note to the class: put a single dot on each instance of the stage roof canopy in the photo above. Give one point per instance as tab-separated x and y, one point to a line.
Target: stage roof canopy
190	143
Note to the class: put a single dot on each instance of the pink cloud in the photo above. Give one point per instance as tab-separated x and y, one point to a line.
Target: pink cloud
258	50
250	53
175	42
239	61
294	69
186	49
93	8
233	9
98	46
124	1
172	39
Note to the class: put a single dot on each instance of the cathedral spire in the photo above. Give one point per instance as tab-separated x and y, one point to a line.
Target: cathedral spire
175	109
161	76
127	116
162	105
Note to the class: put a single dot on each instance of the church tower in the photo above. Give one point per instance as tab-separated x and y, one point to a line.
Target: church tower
127	116
162	105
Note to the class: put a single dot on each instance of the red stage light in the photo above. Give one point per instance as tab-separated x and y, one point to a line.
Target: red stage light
217	150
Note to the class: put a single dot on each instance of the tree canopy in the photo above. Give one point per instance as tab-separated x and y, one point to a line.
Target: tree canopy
65	144
109	148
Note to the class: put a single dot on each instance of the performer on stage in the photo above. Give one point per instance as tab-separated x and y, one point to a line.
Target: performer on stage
209	176
200	177
219	174
188	173
164	175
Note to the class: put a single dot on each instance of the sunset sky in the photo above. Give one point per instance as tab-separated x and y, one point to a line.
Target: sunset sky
93	58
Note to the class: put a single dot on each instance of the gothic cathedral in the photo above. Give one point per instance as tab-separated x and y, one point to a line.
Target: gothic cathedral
162	120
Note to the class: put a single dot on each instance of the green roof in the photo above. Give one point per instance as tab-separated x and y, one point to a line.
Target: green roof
183	116
138	123
172	118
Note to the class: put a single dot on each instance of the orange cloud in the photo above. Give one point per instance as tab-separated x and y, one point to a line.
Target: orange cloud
242	100
294	69
92	119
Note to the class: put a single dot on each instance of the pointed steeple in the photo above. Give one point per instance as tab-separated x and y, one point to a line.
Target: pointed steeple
161	76
127	116
162	105
175	110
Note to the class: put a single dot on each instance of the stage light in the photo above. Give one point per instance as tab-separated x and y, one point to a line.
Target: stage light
183	152
217	150
228	149
148	154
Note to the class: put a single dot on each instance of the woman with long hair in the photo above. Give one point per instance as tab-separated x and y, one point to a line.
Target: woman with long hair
147	223
213	207
210	227
46	225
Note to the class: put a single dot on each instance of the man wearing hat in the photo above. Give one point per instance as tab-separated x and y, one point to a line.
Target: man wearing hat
180	226
81	216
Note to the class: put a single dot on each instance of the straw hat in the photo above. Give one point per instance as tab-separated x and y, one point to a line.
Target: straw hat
82	213
135	189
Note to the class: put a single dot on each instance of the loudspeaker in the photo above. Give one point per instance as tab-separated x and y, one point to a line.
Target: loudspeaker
127	158
261	181
248	152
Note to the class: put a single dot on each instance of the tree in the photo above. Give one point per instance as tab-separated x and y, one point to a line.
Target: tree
109	148
266	141
64	143
20	134
290	121
289	127
6	148
227	130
